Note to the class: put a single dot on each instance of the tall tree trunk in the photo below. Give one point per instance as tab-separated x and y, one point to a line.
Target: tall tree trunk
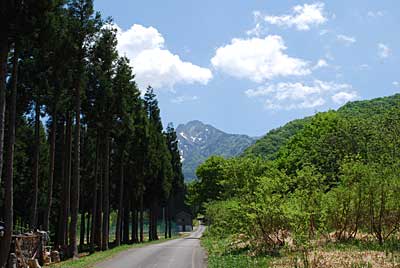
76	174
3	80
141	219
165	222
150	230
126	222
120	205
153	222
169	220
88	228
51	170
99	223
155	212
61	223
132	219
82	230
99	217
33	222
106	217
5	241
134	224
93	239
67	183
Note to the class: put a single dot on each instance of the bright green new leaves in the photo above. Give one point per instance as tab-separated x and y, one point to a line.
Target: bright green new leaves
336	177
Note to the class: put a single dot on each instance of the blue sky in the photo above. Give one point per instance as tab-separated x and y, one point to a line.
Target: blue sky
250	66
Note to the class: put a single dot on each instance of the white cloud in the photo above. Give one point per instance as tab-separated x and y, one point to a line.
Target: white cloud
321	64
138	38
375	14
289	96
302	17
258	59
347	40
182	99
256	31
155	65
324	32
384	51
343	97
396	83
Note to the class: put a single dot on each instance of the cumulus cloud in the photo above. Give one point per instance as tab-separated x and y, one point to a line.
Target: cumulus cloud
347	40
182	99
384	51
137	39
343	97
396	83
258	59
289	96
302	17
321	64
154	64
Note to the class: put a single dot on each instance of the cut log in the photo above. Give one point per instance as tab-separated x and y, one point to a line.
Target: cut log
34	263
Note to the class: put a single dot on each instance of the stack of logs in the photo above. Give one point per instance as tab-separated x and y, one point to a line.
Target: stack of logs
29	250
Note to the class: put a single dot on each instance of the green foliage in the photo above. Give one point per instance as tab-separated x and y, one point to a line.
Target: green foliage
159	168
226	213
221	256
23	160
337	178
103	151
268	146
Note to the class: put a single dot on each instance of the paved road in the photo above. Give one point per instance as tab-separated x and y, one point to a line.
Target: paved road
178	253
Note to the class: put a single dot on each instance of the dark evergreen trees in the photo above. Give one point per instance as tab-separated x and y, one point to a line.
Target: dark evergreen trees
102	147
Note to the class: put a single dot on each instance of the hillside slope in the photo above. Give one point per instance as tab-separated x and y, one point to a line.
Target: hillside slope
268	146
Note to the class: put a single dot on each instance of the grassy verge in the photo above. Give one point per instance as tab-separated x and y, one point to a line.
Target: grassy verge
354	254
88	261
220	257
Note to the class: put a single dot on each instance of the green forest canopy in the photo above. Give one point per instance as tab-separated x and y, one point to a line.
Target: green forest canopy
269	145
335	175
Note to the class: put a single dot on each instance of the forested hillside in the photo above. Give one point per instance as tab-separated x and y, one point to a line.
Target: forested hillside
198	141
334	183
369	108
269	145
78	142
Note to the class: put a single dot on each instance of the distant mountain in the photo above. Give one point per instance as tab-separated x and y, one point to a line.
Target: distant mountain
198	141
269	145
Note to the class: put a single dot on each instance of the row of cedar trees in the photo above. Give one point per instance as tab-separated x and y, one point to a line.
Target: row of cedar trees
104	148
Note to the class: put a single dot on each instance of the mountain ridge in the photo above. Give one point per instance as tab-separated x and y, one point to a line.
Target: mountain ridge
198	141
269	145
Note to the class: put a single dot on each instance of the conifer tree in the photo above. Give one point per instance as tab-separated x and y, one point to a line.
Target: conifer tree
84	24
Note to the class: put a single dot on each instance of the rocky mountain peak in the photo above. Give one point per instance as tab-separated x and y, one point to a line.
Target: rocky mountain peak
198	141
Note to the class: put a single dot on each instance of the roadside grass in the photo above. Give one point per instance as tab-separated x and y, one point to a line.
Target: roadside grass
390	246
237	261
351	254
219	257
89	260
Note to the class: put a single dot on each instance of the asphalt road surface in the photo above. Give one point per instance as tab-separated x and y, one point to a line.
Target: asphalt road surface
178	253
